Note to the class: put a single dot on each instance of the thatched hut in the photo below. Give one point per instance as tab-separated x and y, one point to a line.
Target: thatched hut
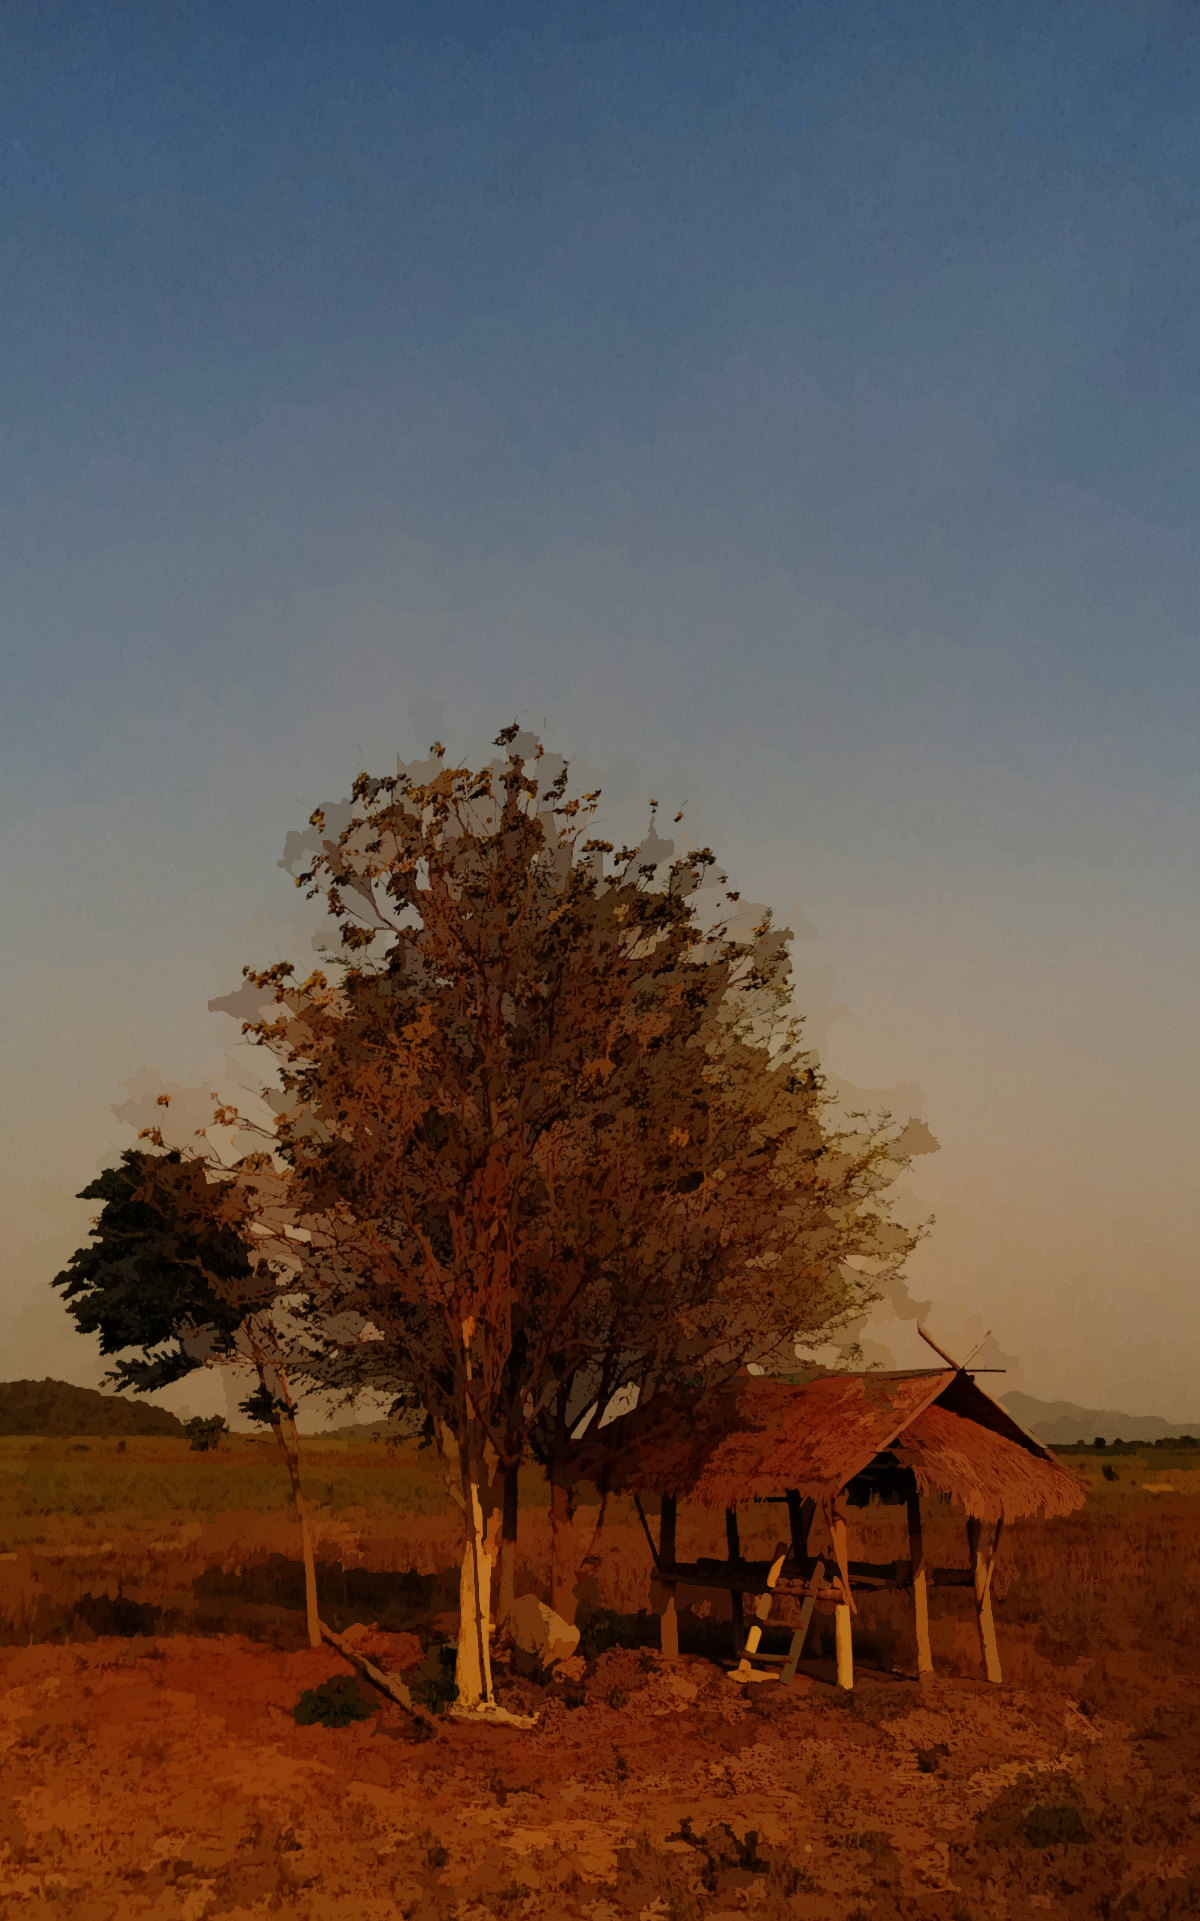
823	1445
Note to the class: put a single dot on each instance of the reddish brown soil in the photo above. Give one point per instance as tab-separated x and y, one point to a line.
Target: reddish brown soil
169	1779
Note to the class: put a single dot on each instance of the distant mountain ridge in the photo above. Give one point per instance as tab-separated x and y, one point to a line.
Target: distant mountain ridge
60	1410
1058	1423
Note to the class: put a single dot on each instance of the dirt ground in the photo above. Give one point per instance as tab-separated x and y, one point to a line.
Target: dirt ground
151	1765
168	1778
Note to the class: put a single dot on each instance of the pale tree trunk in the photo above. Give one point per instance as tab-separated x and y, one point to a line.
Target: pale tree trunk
480	1545
507	1564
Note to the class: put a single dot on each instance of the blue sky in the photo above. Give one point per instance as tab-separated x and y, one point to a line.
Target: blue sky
794	404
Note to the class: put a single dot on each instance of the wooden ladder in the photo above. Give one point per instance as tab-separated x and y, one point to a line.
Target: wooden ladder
744	1671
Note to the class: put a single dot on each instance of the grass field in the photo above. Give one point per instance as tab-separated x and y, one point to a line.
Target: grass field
160	1526
152	1646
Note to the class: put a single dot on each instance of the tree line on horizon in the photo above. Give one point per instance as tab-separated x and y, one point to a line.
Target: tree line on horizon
543	1139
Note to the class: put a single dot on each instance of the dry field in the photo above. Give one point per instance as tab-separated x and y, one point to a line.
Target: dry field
152	1655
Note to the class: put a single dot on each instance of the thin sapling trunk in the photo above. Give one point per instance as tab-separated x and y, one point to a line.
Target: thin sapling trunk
283	1423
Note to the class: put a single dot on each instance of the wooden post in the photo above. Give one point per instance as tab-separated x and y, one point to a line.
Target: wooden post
507	1562
841	1615
981	1575
800	1516
736	1599
641	1514
920	1582
668	1630
845	1646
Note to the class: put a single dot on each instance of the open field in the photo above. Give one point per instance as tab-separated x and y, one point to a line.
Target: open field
153	1653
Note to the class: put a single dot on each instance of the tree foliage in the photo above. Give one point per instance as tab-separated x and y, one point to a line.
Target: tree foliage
162	1273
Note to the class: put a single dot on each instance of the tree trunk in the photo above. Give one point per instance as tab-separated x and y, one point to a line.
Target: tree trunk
562	1552
285	1434
480	1544
507	1565
284	1425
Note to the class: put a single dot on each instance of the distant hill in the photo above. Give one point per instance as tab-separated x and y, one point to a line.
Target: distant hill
59	1410
1059	1423
398	1430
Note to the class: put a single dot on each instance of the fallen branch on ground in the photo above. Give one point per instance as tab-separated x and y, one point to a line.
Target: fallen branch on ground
389	1684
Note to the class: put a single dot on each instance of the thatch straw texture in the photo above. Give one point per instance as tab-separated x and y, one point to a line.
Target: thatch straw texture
989	1474
815	1436
757	1437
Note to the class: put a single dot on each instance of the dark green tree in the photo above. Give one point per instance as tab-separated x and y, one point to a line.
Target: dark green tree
172	1281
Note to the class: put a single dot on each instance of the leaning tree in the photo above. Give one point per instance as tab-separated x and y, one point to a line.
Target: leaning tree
541	1138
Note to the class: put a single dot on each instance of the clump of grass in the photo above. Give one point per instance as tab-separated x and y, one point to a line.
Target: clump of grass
334	1704
725	1858
1054	1827
434	1686
606	1628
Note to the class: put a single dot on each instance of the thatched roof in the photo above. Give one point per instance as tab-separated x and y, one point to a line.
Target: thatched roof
757	1437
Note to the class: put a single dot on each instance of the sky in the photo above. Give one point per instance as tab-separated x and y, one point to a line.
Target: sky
789	411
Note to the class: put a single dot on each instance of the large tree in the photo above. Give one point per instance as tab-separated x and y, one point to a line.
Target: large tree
552	1135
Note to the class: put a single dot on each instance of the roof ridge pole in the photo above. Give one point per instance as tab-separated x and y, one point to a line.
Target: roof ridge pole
949	1360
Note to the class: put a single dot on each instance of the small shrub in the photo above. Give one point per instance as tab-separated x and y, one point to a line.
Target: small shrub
606	1628
434	1686
739	1856
1054	1827
334	1704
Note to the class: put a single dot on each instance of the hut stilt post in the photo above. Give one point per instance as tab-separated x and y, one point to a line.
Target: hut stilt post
844	1641
920	1582
668	1632
843	1633
800	1518
737	1605
981	1572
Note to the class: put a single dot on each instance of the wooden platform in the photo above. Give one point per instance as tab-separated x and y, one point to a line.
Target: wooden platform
750	1577
832	1578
